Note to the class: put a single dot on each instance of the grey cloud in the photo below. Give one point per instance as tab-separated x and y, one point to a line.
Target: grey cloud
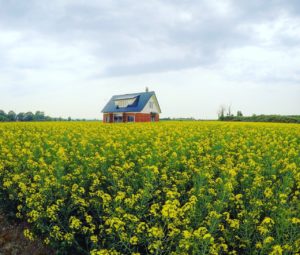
131	37
154	67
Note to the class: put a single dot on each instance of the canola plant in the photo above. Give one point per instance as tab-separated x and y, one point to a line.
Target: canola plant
154	188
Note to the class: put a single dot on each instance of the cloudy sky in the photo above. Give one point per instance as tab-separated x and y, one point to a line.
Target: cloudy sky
68	57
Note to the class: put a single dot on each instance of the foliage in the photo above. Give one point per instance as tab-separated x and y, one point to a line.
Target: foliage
154	188
239	114
221	112
28	116
263	118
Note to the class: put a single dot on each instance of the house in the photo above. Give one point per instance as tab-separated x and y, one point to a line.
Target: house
136	107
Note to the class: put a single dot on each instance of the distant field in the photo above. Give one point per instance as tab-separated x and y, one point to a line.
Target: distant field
154	188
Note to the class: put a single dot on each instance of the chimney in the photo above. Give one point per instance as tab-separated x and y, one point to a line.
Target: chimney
147	89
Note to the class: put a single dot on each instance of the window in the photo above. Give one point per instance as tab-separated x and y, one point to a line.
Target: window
151	105
118	118
130	118
107	119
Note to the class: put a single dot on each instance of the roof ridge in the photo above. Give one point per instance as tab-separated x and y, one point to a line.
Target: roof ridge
144	92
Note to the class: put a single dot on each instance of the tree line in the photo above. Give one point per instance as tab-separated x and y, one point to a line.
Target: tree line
27	116
225	114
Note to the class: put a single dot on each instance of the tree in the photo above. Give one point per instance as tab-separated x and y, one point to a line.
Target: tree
229	113
20	116
3	116
48	118
239	114
39	116
28	116
12	116
221	112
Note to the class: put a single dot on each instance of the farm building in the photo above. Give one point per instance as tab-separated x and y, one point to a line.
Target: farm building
136	107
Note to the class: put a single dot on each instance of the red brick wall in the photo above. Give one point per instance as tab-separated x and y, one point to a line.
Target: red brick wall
145	117
110	117
142	117
104	117
139	117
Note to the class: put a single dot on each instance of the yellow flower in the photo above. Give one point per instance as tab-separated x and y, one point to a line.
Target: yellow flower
268	192
295	220
46	241
187	234
262	230
134	240
156	232
170	209
258	245
235	223
267	221
268	240
276	250
208	236
94	238
154	246
7	184
141	227
154	209
28	234
74	222
69	237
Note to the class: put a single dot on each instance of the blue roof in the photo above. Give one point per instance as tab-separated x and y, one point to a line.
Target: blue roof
137	106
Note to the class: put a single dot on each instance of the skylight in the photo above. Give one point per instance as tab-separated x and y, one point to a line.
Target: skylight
124	102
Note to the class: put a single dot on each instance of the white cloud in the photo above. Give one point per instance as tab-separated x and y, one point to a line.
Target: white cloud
261	65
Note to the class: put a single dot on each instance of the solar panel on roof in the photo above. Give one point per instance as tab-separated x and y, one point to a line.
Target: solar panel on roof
124	97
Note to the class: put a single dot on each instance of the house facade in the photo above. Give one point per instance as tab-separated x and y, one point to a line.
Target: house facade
136	107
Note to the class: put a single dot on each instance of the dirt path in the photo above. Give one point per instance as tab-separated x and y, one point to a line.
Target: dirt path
12	241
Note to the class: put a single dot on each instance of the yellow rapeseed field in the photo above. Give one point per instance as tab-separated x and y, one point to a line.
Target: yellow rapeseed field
154	188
